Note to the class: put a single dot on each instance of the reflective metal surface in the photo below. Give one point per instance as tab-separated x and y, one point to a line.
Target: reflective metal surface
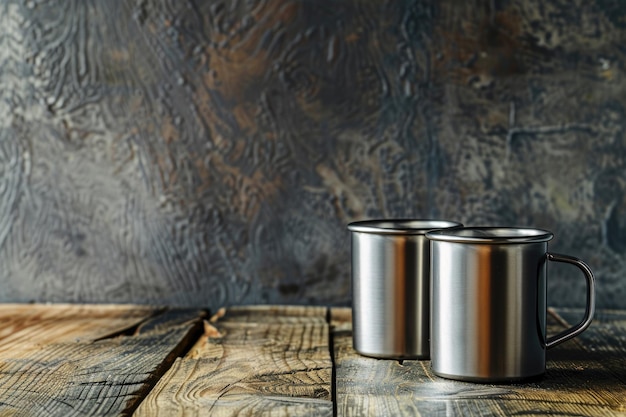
489	303
391	287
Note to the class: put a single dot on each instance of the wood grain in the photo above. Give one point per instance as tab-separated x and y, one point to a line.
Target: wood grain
113	360
266	364
604	341
72	360
576	383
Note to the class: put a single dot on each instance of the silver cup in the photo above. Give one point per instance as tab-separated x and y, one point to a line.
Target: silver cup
489	303
391	287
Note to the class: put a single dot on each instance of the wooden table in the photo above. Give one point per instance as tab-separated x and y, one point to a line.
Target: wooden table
109	360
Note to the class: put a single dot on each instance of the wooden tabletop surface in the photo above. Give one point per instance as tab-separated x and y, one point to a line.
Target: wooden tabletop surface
110	360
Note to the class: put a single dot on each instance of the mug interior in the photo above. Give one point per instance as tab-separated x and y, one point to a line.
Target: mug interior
491	235
400	226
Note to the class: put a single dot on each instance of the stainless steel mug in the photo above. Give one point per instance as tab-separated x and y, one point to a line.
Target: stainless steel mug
391	286
488	312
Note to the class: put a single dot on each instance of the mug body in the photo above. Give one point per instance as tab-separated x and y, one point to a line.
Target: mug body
489	303
391	287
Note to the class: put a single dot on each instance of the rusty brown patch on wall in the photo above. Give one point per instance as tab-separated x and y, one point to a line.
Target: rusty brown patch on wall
477	53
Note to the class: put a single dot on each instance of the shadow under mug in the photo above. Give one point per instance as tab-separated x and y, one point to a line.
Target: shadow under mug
488	317
391	286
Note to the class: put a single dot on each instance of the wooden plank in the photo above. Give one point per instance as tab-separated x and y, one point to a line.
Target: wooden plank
76	360
604	341
575	384
252	360
64	322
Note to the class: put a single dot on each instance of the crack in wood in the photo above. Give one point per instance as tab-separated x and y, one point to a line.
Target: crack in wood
182	348
131	330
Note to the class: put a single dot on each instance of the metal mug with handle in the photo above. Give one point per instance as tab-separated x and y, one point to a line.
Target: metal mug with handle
489	303
391	287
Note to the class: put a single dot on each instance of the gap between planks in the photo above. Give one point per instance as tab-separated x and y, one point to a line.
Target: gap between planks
185	345
252	359
72	360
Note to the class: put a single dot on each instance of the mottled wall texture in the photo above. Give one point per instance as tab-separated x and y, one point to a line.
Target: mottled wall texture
212	152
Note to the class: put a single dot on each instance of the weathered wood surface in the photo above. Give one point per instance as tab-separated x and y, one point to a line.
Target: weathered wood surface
106	360
581	380
606	342
96	360
272	361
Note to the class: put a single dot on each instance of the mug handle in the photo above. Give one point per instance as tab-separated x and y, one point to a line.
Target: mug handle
591	300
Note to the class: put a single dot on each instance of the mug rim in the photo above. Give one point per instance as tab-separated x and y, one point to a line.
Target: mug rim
401	226
491	235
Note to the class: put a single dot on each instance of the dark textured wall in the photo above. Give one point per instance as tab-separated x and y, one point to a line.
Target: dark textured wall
209	153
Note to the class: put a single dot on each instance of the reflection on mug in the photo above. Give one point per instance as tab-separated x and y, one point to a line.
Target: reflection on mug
489	300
